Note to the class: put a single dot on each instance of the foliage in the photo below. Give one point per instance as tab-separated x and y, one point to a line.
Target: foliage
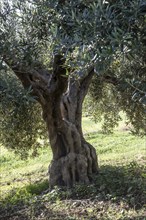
125	90
106	100
102	106
86	33
122	87
21	123
83	32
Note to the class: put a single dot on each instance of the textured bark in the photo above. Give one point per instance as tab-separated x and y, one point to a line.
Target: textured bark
61	97
74	159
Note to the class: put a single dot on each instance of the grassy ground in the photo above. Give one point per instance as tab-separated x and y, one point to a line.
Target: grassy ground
117	192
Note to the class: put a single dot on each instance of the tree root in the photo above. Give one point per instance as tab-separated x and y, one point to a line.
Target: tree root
72	168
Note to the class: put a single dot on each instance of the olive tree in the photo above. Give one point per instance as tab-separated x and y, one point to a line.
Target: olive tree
55	48
126	93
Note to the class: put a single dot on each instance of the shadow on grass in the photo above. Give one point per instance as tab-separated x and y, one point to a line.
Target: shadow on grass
113	185
36	210
116	183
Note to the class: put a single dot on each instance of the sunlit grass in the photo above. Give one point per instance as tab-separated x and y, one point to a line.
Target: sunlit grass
16	173
118	148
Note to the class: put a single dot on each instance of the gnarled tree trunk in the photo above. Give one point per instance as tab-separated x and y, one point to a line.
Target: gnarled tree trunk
61	97
74	159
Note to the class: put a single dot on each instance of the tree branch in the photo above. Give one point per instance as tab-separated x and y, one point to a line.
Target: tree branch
86	82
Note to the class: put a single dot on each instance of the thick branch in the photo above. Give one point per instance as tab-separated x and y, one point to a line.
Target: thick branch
86	82
81	95
42	81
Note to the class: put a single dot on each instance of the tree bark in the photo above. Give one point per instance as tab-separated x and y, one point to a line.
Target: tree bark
61	97
74	159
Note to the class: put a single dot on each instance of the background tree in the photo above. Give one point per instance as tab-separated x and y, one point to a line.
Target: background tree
125	93
55	48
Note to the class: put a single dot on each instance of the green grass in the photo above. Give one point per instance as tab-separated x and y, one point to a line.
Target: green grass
117	192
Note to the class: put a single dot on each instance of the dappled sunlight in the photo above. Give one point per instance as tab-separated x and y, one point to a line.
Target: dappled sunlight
116	191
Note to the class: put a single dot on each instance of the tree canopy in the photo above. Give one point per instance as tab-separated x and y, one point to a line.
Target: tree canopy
107	36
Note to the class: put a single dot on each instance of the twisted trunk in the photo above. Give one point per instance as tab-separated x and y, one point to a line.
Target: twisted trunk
61	97
74	159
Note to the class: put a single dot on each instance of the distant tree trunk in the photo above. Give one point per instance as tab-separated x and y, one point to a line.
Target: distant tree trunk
74	159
